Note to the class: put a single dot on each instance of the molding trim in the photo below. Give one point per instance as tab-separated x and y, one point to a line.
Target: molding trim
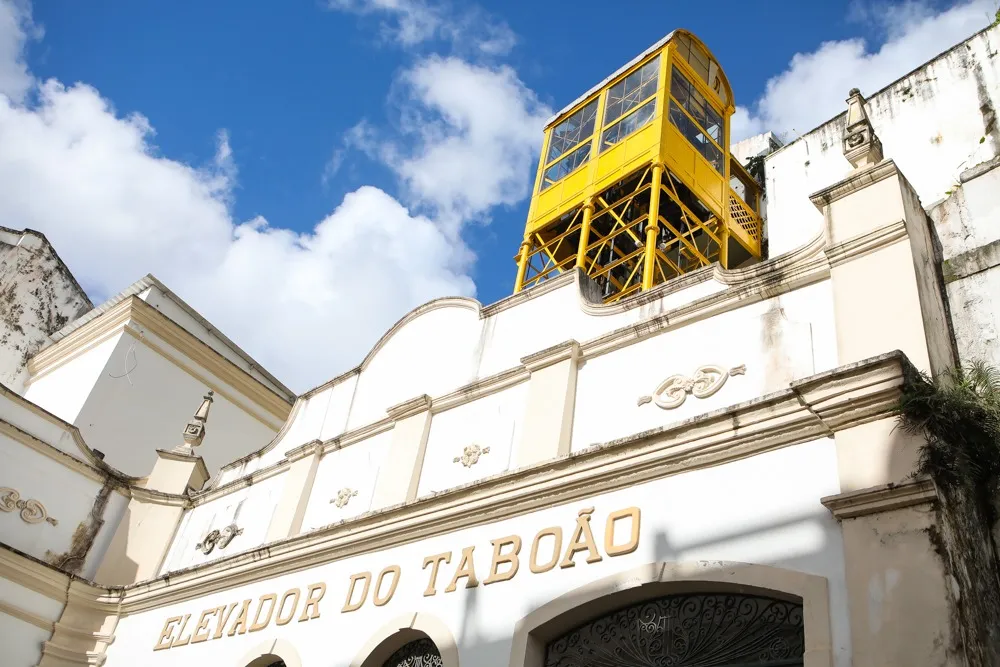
879	499
26	616
568	350
839	399
136	311
859	246
409	408
855	181
655	579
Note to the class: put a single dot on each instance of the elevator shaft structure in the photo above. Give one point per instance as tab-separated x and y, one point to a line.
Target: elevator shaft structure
636	184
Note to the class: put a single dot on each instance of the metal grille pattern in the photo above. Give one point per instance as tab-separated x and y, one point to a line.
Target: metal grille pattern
745	221
419	653
708	630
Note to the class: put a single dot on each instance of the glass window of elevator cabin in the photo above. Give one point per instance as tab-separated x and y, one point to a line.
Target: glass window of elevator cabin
627	109
569	145
696	118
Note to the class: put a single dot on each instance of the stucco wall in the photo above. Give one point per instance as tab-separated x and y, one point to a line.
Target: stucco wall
38	296
934	123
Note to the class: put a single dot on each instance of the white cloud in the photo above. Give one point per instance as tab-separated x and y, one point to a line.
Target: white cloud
814	86
412	22
16	28
306	305
469	143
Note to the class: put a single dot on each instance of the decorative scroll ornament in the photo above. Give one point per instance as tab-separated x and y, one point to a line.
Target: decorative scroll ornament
32	511
219	538
705	382
419	653
700	629
470	455
344	496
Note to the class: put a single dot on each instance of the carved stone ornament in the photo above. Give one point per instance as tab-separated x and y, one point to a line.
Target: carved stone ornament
705	382
470	455
219	538
862	147
344	496
31	510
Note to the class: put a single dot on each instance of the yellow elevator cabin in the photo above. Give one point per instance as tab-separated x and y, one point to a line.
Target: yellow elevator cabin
636	184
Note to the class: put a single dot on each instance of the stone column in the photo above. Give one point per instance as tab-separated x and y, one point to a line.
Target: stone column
400	475
291	508
548	414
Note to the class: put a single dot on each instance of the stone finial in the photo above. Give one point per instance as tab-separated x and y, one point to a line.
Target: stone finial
861	147
194	432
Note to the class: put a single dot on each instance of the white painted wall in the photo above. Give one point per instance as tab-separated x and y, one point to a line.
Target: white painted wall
761	510
250	508
931	123
493	421
356	468
779	340
64	390
432	353
67	496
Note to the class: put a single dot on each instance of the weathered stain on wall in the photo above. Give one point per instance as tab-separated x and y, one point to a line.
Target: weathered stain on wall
38	296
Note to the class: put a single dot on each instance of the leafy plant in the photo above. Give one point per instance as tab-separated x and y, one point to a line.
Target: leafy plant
958	413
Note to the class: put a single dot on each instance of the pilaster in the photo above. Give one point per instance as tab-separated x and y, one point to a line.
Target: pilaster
291	508
399	477
548	416
886	285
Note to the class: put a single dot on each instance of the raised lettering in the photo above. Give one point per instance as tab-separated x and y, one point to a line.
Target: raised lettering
500	558
609	532
281	619
583	540
224	619
201	630
166	636
312	601
181	639
355	578
241	620
466	570
376	598
555	532
257	623
434	562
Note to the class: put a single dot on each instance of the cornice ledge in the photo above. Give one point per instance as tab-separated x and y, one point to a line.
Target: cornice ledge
793	260
72	656
859	246
304	451
413	406
877	499
480	388
154	497
854	182
567	350
532	292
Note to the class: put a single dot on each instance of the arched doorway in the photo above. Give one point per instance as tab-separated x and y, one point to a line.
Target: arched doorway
418	653
271	653
715	629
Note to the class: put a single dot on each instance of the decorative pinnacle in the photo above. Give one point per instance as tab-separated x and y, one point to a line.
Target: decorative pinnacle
194	432
862	147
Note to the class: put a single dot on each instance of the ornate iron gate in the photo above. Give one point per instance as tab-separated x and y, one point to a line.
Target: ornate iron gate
702	630
419	653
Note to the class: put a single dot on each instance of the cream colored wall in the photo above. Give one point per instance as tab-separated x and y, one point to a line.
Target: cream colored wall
26	619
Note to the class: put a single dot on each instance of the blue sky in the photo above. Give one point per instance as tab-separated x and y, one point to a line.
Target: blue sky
205	141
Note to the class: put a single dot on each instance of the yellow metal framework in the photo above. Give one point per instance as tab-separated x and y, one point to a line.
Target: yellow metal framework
636	185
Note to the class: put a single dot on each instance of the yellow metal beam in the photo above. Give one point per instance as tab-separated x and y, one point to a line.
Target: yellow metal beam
652	228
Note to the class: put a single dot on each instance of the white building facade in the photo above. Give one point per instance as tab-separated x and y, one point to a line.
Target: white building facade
708	473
